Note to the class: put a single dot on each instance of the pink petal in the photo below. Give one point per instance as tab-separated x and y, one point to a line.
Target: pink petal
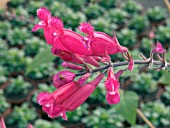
43	14
81	81
57	23
86	28
158	48
111	74
91	60
65	91
112	85
73	42
43	98
36	27
2	123
120	48
48	34
71	66
113	98
81	94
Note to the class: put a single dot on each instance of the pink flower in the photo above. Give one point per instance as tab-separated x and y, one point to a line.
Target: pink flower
113	97
75	100
112	86
71	66
131	64
62	78
51	103
158	48
2	123
100	43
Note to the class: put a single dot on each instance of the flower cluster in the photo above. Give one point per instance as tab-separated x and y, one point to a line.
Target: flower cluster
78	52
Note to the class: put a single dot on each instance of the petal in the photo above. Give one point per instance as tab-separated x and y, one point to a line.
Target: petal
73	42
30	126
158	48
43	98
71	66
36	27
86	28
48	34
113	98
2	123
43	14
91	60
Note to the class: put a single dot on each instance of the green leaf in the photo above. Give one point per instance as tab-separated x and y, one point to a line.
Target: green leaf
42	57
165	78
128	106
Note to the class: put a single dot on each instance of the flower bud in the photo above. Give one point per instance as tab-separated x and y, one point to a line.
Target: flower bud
62	78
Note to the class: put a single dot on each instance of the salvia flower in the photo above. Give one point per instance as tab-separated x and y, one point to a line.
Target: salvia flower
112	87
98	42
75	100
62	78
51	103
158	48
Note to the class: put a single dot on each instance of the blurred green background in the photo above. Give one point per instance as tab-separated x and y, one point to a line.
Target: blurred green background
133	23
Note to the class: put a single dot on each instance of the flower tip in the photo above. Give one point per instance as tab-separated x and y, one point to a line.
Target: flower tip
86	28
43	13
2	123
56	22
158	48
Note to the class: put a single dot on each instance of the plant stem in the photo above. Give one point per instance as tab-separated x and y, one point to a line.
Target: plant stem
167	4
145	119
118	64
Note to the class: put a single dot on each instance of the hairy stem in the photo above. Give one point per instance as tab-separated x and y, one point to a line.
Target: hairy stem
118	64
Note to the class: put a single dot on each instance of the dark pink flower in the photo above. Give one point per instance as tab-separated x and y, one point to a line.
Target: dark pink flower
2	123
100	43
71	66
113	97
75	100
112	86
158	48
62	78
131	64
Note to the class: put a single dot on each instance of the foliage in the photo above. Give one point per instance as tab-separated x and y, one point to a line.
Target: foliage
4	105
18	87
156	14
21	116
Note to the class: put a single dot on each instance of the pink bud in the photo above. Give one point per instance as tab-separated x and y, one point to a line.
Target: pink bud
71	66
131	64
119	73
62	78
81	81
81	94
2	123
30	126
91	60
113	97
111	74
158	48
151	35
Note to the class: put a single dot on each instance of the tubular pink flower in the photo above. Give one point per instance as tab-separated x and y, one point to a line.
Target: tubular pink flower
75	100
112	86
71	66
131	64
62	78
2	123
100	43
158	48
113	97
